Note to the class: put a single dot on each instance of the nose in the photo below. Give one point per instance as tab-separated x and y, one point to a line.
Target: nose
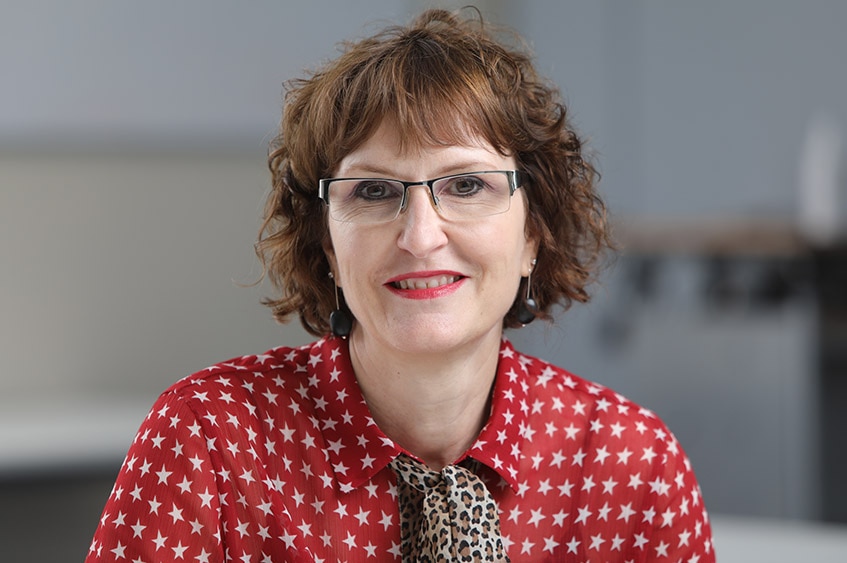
422	227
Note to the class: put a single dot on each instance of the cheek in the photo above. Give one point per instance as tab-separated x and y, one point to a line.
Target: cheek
353	250
338	253
502	249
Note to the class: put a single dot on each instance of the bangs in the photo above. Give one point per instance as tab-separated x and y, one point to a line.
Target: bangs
432	93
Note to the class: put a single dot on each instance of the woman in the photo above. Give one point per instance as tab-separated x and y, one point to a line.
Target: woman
427	193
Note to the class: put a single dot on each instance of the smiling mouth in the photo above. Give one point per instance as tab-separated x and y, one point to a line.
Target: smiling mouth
425	283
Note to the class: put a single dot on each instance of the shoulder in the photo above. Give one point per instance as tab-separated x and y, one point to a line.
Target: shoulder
613	455
277	371
592	410
546	379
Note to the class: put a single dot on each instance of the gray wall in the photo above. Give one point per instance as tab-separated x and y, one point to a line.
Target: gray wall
132	139
161	74
696	108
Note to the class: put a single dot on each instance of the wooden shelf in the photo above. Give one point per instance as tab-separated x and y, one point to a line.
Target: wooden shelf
724	236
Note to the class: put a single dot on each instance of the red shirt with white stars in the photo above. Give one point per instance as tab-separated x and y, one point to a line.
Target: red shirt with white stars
276	458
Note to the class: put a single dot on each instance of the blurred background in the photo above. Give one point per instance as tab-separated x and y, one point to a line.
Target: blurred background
132	174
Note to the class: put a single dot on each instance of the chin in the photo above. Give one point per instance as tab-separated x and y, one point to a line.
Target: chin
434	335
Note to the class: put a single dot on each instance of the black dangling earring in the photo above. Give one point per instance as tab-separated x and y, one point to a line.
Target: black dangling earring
528	308
339	321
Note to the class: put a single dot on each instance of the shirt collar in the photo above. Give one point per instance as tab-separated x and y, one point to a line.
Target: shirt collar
358	449
499	443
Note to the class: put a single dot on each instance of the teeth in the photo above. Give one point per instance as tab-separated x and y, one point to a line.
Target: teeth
427	283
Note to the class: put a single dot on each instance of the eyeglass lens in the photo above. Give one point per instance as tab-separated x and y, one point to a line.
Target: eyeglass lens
477	194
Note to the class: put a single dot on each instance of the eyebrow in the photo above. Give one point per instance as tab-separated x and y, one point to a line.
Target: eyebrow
367	170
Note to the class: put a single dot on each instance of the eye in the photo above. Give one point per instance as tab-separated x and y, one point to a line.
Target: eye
464	186
374	190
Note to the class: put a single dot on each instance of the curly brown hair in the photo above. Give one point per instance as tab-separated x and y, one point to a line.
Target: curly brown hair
442	80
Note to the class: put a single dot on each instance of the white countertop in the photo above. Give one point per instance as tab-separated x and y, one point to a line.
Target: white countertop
61	434
754	540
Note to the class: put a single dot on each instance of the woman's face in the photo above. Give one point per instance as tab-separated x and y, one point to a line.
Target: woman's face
421	283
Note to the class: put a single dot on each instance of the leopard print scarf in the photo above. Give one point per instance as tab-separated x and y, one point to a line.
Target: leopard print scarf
447	516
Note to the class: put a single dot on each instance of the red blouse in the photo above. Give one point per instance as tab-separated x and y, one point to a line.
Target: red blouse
276	458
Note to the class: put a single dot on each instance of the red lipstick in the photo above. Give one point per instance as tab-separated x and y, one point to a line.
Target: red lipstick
426	284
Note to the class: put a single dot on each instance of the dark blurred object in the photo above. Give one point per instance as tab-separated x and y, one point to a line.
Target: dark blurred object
831	283
756	282
51	517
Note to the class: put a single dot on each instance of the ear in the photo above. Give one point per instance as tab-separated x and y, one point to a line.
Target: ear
329	252
530	252
532	239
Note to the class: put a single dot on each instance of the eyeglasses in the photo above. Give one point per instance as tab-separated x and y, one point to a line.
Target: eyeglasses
459	196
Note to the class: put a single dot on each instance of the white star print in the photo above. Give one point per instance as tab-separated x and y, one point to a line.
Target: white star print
573	545
609	486
639	541
667	518
584	513
579	408
649	515
596	542
578	457
635	481
565	488
559	518
659	486
536	517
179	549
137	528
558	458
119	551
515	514
617	542
683	538
159	541
550	544
626	512
604	512
362	516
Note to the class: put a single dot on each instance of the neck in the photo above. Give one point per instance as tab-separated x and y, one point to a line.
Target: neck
432	404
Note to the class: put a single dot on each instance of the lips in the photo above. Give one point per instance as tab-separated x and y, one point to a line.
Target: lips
425	283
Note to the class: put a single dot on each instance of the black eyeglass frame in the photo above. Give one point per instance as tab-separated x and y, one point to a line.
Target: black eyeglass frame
517	179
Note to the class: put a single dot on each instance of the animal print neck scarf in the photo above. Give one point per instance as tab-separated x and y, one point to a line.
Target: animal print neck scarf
447	516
